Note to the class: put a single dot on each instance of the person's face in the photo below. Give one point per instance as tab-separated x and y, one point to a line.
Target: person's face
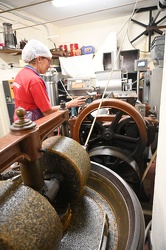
43	63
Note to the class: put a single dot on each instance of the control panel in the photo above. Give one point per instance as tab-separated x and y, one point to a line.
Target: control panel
141	65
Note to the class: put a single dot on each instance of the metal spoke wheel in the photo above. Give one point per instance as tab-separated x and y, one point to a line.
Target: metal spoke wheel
118	161
154	25
122	127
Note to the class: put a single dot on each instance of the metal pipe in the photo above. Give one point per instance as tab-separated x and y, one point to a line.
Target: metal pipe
32	174
138	79
24	6
23	16
64	126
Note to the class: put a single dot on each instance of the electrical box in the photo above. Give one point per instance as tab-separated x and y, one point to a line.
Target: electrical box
141	65
79	86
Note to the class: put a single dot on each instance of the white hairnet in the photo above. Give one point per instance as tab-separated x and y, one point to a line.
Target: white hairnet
33	49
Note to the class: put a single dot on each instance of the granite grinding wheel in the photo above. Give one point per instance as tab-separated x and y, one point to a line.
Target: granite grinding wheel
67	157
27	219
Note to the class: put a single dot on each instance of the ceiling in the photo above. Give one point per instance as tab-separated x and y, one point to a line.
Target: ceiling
79	13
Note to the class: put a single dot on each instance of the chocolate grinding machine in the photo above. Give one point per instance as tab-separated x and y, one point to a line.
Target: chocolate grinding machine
61	200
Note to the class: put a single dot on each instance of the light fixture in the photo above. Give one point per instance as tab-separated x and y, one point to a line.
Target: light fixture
62	3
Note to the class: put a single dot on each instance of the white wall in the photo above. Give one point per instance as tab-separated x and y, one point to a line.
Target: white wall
159	204
95	33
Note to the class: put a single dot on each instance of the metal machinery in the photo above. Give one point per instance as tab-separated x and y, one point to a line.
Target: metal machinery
9	97
56	198
94	170
119	137
118	131
124	134
51	79
153	78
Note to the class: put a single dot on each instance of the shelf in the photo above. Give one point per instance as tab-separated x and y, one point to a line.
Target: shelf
19	51
11	51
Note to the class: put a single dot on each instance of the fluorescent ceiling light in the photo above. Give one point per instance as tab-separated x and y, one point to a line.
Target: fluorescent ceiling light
62	3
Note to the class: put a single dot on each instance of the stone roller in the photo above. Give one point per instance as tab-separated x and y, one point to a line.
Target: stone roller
65	157
27	219
30	221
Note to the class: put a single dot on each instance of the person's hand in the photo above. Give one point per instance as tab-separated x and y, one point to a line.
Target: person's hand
77	102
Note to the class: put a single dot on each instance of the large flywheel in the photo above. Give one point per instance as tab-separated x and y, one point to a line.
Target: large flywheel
154	25
118	161
122	126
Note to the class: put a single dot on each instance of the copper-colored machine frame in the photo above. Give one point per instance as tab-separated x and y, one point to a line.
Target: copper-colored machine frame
25	145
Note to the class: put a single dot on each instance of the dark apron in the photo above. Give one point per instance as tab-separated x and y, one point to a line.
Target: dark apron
31	114
34	114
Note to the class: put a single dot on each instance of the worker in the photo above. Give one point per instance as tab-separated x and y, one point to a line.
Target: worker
29	88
